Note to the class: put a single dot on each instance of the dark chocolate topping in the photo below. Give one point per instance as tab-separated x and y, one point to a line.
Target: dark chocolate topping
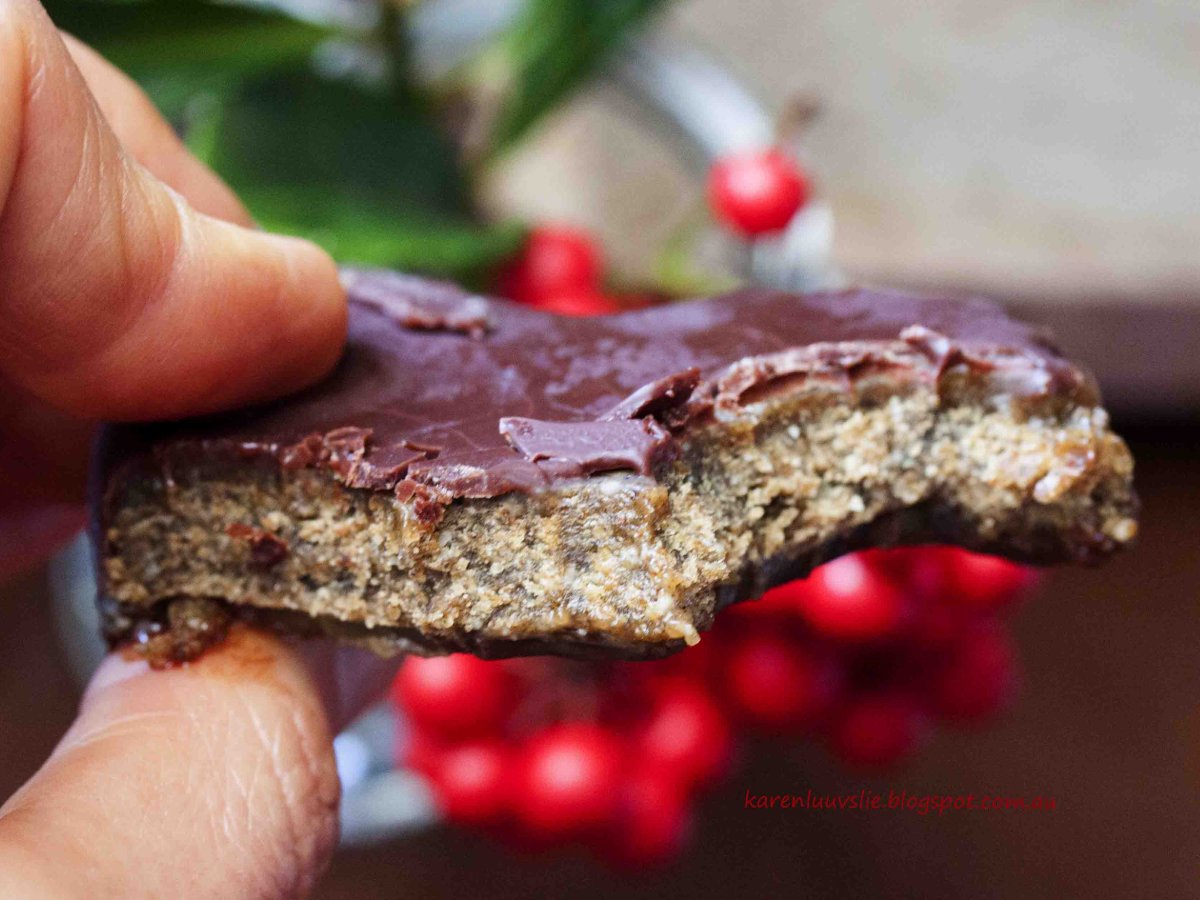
418	303
468	397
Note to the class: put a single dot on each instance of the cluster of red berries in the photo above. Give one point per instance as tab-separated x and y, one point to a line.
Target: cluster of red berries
546	752
873	647
866	653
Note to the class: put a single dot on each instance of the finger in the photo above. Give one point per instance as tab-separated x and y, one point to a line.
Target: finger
215	779
117	299
149	139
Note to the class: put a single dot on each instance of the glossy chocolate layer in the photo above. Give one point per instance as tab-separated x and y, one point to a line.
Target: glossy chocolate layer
442	394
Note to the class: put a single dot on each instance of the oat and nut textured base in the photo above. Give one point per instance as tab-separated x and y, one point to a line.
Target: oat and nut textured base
618	563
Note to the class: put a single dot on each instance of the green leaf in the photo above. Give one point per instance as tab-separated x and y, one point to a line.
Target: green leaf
148	37
360	230
300	129
188	54
552	48
365	174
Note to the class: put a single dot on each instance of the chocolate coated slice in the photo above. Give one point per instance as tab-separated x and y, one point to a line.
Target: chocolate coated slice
480	475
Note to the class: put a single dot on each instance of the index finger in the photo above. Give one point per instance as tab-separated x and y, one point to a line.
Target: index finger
118	300
150	139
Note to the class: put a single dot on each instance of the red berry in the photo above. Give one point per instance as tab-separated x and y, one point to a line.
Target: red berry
568	780
936	624
892	562
686	735
936	618
977	679
878	729
555	260
777	684
578	302
757	192
849	600
455	696
651	823
781	600
469	782
695	663
422	751
989	583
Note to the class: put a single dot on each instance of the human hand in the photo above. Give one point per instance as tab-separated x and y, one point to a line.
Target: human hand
133	286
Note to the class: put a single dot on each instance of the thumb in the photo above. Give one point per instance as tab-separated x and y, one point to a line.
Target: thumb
212	780
117	299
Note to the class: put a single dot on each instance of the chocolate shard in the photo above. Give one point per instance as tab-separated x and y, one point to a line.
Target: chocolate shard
585	448
468	475
349	453
658	398
418	303
482	476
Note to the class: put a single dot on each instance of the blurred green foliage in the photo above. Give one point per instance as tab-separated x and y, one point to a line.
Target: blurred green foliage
360	163
379	187
159	37
554	46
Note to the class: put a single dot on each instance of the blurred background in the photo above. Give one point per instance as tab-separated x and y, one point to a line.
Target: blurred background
1042	153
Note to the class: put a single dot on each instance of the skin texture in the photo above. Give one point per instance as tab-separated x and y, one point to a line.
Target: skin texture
133	288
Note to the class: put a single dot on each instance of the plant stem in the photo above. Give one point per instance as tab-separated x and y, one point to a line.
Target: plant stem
394	38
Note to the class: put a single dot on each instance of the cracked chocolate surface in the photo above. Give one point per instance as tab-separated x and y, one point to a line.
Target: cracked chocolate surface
432	374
